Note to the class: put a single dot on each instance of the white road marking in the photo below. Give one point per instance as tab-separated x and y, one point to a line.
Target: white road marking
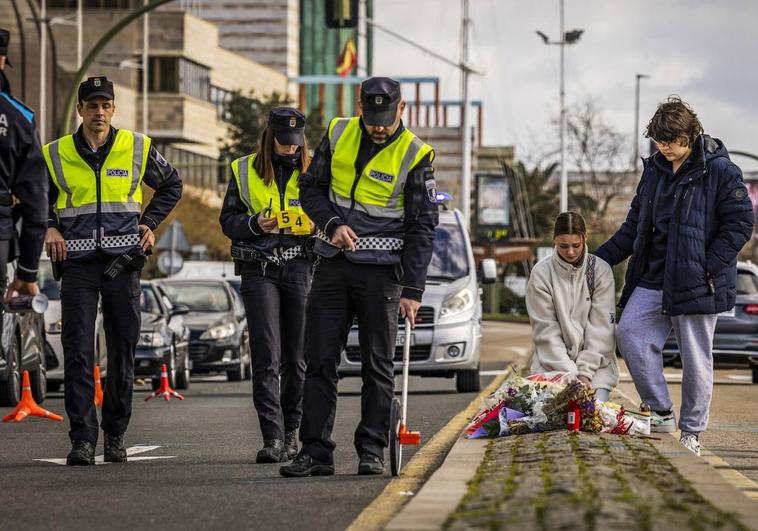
130	452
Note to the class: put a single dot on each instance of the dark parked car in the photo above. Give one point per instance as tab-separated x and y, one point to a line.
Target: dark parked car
735	344
22	347
164	338
219	340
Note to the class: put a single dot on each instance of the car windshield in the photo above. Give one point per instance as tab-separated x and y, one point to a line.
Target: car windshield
148	301
449	259
47	284
199	297
747	283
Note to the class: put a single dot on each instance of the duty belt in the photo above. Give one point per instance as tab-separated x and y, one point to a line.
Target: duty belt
106	242
279	257
371	243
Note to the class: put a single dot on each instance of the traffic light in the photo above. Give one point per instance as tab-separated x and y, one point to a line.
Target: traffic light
341	13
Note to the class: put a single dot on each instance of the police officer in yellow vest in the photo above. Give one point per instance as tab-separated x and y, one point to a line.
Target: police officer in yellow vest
370	189
263	218
97	236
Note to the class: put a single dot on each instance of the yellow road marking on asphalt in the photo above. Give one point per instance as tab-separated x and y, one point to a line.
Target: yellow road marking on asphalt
420	467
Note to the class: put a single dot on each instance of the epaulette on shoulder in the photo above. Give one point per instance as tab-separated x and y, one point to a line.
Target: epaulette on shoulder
25	111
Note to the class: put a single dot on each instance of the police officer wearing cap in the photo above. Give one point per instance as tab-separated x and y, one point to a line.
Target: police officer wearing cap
370	189
263	218
22	175
97	237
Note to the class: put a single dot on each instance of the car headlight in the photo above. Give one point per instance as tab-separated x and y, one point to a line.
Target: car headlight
223	331
55	327
458	303
151	340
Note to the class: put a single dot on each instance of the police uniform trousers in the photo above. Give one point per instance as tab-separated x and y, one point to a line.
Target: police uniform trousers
274	299
82	284
343	290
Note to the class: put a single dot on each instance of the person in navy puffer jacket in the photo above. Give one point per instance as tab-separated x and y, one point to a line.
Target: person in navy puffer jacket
689	219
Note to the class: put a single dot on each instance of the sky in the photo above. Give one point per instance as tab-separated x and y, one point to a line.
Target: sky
704	51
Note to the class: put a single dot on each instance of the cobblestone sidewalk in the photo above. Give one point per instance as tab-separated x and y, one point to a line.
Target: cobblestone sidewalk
560	480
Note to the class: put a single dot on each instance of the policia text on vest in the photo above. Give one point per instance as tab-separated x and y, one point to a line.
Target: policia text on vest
96	217
369	187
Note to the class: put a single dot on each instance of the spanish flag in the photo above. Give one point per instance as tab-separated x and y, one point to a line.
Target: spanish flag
348	58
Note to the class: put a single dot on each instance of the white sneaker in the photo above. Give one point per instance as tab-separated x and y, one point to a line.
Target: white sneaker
691	442
662	423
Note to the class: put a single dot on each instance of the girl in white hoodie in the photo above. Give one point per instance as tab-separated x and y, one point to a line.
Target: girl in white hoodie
570	298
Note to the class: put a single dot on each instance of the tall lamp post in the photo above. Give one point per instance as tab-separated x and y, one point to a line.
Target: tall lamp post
568	37
636	151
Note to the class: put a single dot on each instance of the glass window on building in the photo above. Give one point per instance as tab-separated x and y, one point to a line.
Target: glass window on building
194	79
220	97
164	74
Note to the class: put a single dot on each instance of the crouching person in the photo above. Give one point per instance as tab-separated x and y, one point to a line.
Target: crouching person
570	298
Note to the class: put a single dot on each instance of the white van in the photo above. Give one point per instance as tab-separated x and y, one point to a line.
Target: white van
447	336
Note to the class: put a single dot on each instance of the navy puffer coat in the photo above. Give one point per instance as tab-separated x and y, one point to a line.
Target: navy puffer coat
712	220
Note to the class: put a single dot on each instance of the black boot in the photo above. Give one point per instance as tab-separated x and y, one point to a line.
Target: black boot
370	464
272	452
305	465
115	450
82	453
290	445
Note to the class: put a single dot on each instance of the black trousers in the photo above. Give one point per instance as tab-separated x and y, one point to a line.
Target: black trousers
275	306
82	284
340	291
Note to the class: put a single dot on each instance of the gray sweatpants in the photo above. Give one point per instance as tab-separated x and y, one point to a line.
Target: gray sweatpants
641	336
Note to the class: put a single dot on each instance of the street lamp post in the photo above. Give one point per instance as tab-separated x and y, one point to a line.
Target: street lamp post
567	37
636	151
42	71
145	66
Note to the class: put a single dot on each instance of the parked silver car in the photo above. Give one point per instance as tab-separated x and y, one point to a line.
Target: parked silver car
735	344
448	331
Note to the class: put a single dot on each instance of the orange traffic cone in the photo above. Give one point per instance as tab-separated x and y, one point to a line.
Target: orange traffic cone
98	387
164	390
27	407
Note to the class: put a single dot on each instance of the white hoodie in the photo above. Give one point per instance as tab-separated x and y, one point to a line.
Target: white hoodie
571	332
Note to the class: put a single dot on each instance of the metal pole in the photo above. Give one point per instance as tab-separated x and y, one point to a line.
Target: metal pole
564	170
636	156
466	140
173	248
42	71
145	67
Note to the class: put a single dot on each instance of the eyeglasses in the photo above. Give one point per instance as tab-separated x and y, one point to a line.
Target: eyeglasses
667	144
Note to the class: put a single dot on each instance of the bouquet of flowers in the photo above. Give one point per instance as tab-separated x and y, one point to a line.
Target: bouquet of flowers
551	414
617	420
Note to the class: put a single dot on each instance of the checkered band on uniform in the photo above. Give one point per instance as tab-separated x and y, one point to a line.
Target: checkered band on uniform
125	240
81	245
370	243
290	254
378	244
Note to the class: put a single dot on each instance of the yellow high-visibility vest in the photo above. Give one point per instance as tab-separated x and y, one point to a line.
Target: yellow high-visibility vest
257	196
118	183
379	191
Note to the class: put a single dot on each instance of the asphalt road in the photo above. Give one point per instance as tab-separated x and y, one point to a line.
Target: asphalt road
202	473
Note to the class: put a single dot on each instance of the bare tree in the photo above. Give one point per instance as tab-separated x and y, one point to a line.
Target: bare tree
597	150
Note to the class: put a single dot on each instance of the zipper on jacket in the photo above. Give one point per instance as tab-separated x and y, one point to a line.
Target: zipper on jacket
689	205
99	195
358	174
280	185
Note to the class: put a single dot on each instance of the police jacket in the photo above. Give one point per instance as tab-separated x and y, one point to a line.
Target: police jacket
712	218
95	198
388	194
21	175
247	196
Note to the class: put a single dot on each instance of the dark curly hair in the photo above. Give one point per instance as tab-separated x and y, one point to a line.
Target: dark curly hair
674	120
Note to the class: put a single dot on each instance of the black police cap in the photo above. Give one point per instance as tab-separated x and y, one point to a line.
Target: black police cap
380	97
96	87
5	40
288	125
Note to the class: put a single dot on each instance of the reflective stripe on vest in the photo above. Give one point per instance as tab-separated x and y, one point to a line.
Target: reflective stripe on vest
120	201
257	196
380	188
